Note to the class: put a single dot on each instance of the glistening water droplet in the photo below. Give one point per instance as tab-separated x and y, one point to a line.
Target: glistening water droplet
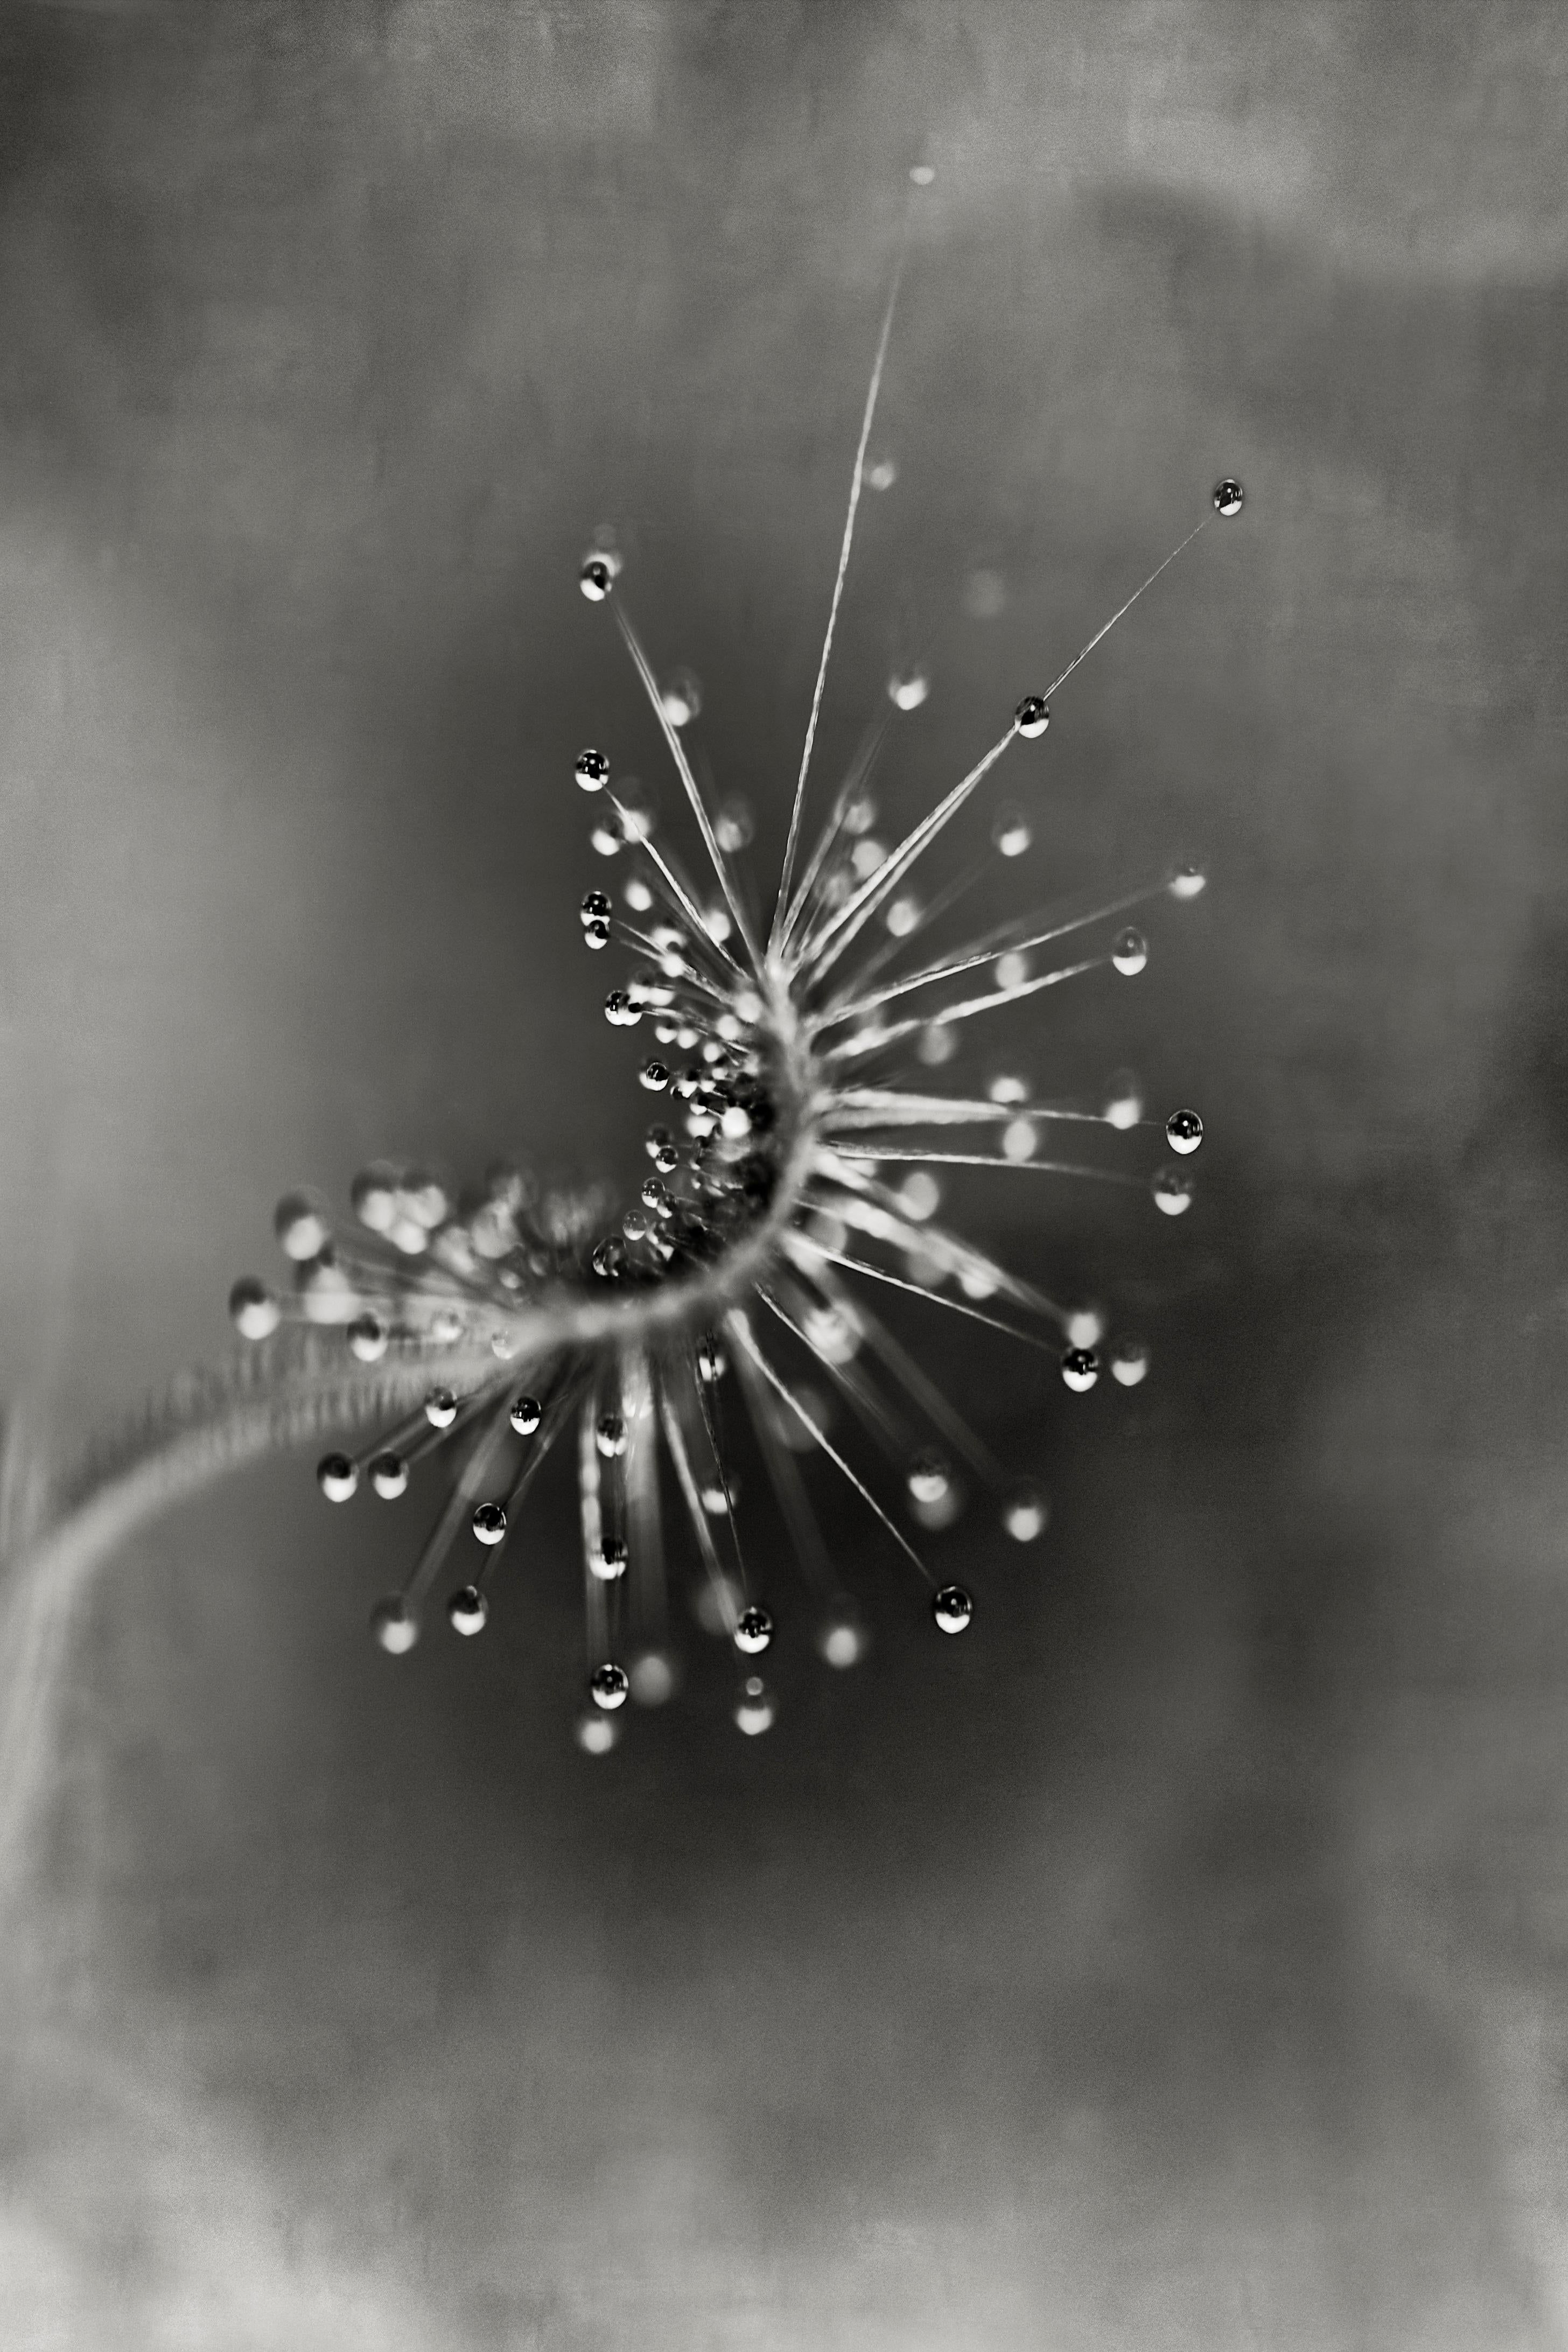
468	1609
608	1686
1183	1131
1080	1369
1130	951
490	1522
337	1477
1033	716
389	1476
1228	495
754	1631
952	1609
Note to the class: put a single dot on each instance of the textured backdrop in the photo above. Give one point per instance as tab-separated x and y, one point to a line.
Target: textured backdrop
1177	1961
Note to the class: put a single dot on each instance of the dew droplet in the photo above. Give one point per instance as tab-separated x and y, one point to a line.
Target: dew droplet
1018	1139
596	935
1085	1327
654	1195
663	1150
1123	1105
906	689
866	856
367	1339
611	1436
754	1631
394	1626
712	1361
902	914
938	1043
389	1476
755	1708
1183	1131
841	1640
608	1686
715	1499
637	894
595	579
735	825
490	1522
881	475
1227	497
1128	1362
1011	832
597	906
1007	1086
607	835
930	1476
952	1609
468	1609
622	1011
440	1408
253	1310
652	1678
592	772
922	174
1187	881
1130	951
609	1560
920	1197
1080	1370
1173	1189
525	1413
299	1221
680	697
373	1196
1025	1513
336	1477
1033	716
597	1734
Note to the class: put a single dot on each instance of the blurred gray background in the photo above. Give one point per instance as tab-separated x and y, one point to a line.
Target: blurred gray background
1178	1960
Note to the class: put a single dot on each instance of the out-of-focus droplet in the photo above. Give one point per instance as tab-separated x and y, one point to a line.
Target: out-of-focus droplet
389	1476
367	1339
394	1625
608	1686
922	174
610	1436
1024	1514
1183	1131
1018	1139
841	1640
881	475
1173	1189
1130	951
373	1196
468	1609
253	1310
637	894
1187	881
300	1223
735	825
1033	716
1128	1362
490	1522
984	593
930	1476
1228	495
908	689
337	1477
716	1500
902	914
1011	833
525	1413
1122	1104
652	1678
597	1734
1007	1086
756	1707
440	1408
754	1631
680	697
712	1361
938	1043
606	836
1080	1370
952	1609
920	1197
1085	1327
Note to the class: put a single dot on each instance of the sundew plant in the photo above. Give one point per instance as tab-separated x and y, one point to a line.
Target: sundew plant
791	1046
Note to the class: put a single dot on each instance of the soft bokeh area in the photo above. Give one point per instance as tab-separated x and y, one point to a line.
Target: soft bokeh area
1177	1960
